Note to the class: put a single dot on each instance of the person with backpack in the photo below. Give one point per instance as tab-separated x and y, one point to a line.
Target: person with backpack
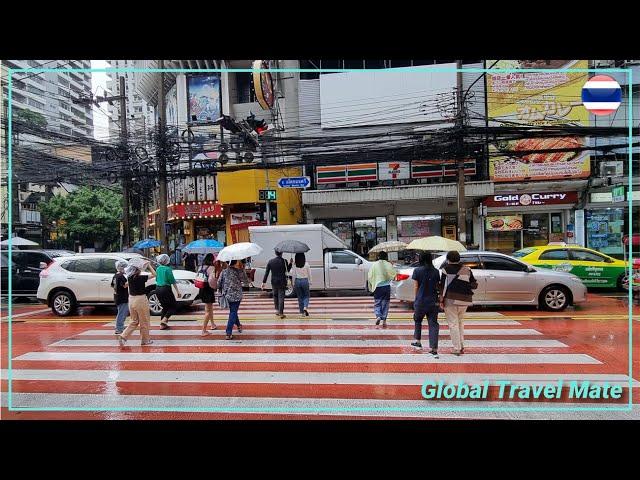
207	282
426	281
120	295
278	268
379	279
456	286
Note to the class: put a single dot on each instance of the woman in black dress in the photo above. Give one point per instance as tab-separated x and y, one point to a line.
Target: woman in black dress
208	292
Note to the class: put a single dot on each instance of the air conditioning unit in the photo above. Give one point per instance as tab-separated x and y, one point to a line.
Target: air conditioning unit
612	168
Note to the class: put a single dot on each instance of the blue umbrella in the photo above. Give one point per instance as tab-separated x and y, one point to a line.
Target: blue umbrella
204	246
147	243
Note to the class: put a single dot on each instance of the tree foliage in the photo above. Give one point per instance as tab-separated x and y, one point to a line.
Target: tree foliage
30	118
87	214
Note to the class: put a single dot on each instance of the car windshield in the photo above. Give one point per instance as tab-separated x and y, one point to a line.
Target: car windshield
523	253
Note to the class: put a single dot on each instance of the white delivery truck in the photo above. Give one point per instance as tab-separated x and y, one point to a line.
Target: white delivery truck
333	265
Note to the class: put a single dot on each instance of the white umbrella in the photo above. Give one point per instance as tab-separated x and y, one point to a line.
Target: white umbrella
239	251
392	246
18	242
436	243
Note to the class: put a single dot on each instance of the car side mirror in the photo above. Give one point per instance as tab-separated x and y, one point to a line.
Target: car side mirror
359	261
609	260
43	265
530	269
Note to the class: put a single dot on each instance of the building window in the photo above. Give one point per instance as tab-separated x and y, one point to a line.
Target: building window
36	104
244	87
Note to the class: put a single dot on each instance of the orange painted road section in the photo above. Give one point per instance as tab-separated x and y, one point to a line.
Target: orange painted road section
334	359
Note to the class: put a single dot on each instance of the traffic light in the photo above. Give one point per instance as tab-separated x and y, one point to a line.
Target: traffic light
258	126
228	123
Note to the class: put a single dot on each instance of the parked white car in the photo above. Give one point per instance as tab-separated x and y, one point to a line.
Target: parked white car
85	279
503	280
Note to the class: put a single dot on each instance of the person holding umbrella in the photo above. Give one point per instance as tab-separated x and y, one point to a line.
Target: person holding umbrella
426	279
230	289
380	275
278	268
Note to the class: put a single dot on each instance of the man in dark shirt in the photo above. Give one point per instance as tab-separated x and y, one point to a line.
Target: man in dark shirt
278	268
426	279
120	295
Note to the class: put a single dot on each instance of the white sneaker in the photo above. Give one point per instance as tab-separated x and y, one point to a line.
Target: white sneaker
146	343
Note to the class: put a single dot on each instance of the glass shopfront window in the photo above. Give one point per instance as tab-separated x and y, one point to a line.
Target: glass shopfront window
536	229
413	227
506	233
604	230
360	235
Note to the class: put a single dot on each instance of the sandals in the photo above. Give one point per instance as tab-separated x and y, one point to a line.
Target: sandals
239	328
164	326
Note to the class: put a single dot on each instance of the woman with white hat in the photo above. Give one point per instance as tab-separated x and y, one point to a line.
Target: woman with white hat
165	282
120	295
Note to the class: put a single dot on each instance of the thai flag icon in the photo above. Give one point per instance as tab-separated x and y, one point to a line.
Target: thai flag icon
601	95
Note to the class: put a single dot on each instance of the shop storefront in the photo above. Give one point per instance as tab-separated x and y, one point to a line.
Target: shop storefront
516	221
360	235
606	224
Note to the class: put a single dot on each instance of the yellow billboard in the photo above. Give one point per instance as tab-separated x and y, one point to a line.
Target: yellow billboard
537	99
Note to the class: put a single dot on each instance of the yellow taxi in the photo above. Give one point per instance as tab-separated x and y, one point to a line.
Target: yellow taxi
595	269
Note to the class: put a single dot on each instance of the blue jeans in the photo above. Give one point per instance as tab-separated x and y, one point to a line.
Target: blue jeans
302	292
123	313
381	298
429	310
233	317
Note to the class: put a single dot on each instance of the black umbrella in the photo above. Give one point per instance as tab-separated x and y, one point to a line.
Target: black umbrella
292	246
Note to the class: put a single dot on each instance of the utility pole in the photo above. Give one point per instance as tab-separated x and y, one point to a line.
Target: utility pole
462	209
162	162
125	180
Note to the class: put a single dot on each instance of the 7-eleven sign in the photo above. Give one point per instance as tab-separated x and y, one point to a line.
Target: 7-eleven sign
393	170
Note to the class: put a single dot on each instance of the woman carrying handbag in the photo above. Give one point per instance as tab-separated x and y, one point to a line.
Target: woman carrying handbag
207	282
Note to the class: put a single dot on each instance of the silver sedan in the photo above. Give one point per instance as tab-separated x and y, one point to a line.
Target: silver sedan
503	280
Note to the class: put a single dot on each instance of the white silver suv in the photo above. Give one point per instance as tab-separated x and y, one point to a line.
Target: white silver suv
85	279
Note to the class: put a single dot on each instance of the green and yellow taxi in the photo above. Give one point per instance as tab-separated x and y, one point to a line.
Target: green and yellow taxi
595	269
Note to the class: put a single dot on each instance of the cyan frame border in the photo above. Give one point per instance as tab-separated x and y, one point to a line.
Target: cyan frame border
627	408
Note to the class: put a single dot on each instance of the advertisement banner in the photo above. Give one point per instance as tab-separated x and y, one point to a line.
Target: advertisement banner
204	97
394	170
195	210
190	186
503	223
211	187
537	99
440	168
180	191
527	199
201	184
359	172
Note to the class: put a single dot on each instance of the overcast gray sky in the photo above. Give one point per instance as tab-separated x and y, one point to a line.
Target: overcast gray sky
98	87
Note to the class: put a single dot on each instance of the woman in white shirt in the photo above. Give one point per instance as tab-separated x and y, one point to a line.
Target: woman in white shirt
301	275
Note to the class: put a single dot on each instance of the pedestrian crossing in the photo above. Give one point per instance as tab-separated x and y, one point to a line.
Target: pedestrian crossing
324	365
